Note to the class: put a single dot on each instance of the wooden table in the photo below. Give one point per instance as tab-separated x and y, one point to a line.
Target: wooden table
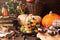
25	38
46	36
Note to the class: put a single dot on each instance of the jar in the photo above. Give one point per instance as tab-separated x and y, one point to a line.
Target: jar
56	23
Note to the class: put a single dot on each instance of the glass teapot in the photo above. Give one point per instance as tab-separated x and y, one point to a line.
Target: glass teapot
56	22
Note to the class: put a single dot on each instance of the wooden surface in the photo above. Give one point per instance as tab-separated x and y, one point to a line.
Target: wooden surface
6	25
7	21
48	37
22	38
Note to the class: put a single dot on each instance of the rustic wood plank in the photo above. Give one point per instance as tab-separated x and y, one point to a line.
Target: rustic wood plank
46	36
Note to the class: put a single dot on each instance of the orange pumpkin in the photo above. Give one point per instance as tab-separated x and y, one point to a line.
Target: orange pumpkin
48	19
59	17
4	12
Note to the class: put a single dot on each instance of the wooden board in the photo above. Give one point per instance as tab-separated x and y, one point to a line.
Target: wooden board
48	37
6	24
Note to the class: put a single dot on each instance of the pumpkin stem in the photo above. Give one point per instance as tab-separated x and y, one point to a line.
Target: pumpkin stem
50	12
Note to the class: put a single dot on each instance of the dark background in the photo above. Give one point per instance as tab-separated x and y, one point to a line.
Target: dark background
47	5
53	5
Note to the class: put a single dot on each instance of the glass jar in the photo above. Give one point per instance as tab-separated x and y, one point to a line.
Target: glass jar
56	22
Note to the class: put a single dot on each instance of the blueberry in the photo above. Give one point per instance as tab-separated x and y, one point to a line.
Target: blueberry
44	31
52	28
58	31
52	33
41	30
